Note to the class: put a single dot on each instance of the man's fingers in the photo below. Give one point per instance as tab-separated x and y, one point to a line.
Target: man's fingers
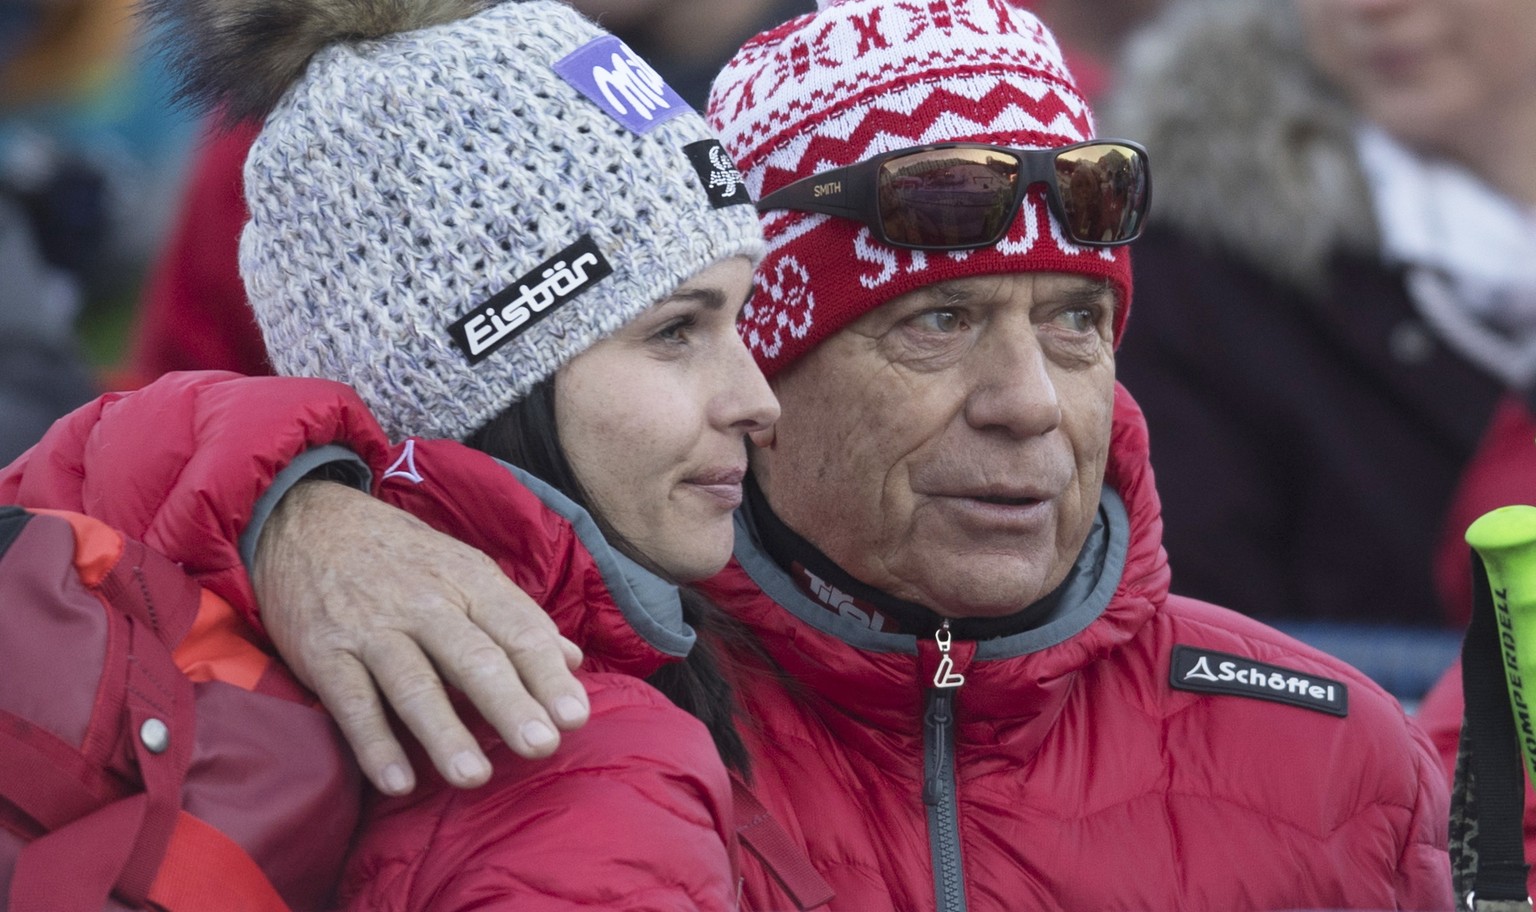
506	654
412	613
474	663
415	692
532	644
348	692
572	654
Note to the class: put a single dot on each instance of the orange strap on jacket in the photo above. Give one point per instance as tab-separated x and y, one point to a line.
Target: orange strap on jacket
204	869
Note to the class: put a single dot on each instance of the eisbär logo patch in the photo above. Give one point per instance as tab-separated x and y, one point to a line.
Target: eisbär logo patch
722	179
620	82
1208	671
511	311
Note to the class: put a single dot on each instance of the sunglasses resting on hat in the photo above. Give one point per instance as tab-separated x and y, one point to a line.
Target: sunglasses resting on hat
957	196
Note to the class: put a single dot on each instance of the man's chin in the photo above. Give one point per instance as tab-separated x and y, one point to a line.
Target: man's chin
982	609
968	591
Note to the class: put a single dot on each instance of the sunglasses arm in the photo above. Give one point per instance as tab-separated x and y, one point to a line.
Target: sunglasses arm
803	196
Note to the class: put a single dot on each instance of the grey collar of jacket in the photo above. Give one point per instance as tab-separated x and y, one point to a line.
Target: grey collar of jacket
650	604
1081	599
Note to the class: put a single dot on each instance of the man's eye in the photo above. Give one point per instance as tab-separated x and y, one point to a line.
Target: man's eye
1079	319
943	321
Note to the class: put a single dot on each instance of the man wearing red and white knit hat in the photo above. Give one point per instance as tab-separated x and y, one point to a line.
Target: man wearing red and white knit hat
862	79
974	689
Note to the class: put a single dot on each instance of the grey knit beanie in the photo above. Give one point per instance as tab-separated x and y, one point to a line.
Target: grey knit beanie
443	215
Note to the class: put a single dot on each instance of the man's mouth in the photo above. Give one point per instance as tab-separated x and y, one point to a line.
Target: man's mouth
1005	500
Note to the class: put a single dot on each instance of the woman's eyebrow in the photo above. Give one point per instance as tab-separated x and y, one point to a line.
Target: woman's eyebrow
709	297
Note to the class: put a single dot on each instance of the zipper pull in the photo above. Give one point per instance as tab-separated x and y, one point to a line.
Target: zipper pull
937	739
945	677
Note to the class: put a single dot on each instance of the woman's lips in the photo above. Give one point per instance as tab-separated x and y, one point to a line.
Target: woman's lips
721	485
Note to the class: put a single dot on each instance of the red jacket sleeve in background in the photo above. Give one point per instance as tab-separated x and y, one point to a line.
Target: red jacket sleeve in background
194	314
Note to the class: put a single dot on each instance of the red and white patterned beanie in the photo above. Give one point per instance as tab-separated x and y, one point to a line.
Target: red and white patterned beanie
862	77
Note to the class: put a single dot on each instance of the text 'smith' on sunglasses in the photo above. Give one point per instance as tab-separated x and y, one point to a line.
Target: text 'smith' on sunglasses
956	196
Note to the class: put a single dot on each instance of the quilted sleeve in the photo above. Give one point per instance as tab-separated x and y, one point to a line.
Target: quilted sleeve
182	463
633	812
1424	870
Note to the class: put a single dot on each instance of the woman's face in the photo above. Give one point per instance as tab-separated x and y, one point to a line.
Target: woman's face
1427	71
654	421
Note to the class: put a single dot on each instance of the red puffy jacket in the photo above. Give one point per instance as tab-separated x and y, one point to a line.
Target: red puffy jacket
1137	751
634	811
1073	772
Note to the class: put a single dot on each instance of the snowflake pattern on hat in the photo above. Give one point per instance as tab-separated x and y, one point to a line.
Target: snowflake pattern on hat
862	77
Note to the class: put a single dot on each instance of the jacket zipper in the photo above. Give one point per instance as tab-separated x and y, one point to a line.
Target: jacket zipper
939	789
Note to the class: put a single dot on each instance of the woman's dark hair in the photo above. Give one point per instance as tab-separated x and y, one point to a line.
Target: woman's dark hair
524	434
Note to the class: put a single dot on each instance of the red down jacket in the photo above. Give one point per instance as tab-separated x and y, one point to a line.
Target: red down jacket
1074	775
1139	751
634	811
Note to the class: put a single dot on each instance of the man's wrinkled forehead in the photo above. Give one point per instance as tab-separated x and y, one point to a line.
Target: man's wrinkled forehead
1055	287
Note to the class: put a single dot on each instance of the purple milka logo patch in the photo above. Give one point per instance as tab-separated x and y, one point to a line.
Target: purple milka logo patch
621	83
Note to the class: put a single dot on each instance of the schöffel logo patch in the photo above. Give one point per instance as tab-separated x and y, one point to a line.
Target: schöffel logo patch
620	82
511	311
1208	671
722	179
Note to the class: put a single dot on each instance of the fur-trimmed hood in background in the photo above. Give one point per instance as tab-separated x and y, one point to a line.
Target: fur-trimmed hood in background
242	55
1251	150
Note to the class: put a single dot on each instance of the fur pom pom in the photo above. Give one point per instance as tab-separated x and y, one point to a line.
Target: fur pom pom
242	55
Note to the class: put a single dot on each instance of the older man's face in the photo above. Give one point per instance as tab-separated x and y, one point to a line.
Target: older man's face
949	446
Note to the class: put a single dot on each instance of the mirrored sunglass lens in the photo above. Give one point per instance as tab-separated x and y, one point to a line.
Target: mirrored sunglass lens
1103	189
947	197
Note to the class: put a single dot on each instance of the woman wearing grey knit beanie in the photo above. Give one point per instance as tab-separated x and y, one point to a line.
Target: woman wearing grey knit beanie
500	226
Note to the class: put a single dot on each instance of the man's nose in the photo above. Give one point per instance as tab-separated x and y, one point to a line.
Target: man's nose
1011	389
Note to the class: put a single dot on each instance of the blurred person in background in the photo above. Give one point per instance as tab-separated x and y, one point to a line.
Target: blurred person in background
1337	289
87	149
42	374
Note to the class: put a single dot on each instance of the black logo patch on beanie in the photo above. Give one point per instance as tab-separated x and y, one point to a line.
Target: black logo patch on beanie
722	179
1209	671
510	312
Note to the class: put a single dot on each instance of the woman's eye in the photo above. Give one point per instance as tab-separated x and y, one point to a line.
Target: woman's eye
942	321
675	331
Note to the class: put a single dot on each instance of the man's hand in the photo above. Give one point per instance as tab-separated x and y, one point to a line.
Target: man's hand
353	591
